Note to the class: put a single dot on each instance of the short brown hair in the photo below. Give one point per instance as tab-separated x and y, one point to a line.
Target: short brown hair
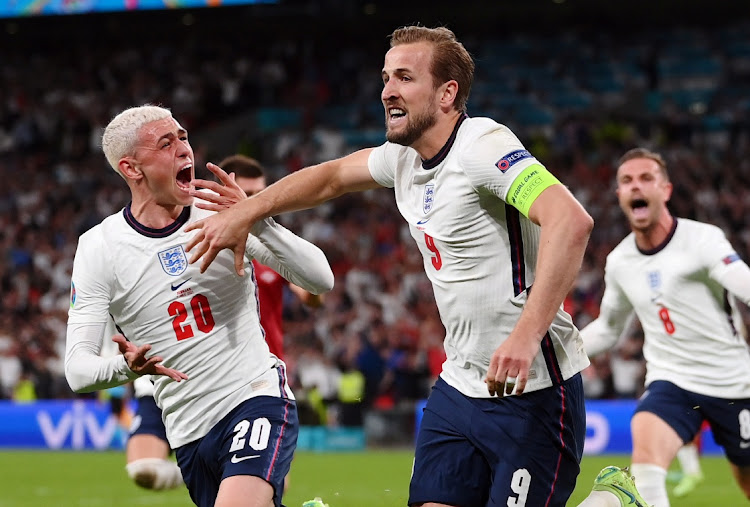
242	166
645	153
450	59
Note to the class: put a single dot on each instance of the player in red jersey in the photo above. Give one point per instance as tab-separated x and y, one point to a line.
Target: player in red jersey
250	176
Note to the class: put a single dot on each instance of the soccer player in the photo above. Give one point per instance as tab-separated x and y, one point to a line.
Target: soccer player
148	450
681	278
251	178
228	411
502	241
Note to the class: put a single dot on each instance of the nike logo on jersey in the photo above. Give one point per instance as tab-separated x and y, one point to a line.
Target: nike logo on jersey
235	459
422	222
175	287
744	445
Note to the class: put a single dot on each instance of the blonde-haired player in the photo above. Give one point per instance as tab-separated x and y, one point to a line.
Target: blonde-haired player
227	408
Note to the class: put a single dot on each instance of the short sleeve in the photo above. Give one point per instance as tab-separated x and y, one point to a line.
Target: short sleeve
724	264
717	253
498	163
382	165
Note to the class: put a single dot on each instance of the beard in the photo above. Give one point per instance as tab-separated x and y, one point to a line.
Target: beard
415	127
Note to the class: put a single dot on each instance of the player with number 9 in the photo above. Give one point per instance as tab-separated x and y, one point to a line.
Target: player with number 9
490	222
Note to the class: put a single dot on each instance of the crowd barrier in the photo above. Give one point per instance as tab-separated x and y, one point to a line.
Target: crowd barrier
88	424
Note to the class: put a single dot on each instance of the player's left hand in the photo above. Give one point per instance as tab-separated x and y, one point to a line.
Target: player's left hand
227	229
138	362
223	195
509	365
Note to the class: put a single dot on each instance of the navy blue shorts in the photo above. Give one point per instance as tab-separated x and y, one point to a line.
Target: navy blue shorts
518	450
147	420
685	411
258	438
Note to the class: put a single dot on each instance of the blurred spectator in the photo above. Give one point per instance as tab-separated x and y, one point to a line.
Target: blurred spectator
11	370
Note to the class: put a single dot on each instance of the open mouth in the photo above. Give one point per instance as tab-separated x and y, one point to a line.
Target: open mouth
396	113
184	176
639	207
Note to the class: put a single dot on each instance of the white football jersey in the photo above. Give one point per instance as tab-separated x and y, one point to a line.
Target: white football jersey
479	252
204	325
110	348
690	321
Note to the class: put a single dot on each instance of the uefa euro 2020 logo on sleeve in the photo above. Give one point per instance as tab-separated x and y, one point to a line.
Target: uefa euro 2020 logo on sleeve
173	260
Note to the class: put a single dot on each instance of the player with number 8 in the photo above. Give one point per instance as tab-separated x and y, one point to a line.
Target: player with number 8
682	279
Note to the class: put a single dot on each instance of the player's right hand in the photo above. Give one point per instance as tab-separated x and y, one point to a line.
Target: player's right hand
138	362
509	365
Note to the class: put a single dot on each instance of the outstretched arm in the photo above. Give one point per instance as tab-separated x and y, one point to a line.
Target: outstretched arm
615	316
303	189
294	258
602	333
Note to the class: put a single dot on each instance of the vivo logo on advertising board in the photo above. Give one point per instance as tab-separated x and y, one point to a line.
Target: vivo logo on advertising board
59	424
78	424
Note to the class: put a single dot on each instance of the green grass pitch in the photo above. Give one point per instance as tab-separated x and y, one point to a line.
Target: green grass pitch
368	479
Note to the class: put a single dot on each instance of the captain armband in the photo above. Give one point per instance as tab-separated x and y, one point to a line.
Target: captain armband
528	185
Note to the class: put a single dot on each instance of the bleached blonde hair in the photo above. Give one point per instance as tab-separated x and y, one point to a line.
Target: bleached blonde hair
121	134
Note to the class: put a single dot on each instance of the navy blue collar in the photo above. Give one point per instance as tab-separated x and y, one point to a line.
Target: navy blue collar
151	232
660	247
435	161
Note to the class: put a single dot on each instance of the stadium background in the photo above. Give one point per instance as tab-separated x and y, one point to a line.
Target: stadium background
297	82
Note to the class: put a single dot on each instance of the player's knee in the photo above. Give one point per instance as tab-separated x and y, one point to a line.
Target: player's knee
155	473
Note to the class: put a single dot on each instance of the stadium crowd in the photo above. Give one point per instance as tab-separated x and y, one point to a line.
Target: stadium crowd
575	102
